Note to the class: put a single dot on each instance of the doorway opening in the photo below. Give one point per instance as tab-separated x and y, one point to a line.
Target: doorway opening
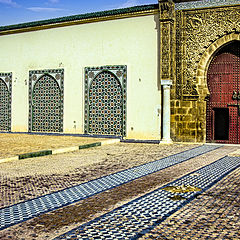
221	123
223	78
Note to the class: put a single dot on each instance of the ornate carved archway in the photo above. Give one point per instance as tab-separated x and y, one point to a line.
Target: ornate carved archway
200	33
208	55
203	66
223	114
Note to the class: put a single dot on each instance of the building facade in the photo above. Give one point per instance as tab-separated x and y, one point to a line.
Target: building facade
165	72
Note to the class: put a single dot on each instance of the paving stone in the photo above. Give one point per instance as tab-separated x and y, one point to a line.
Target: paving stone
17	213
215	215
30	178
144	213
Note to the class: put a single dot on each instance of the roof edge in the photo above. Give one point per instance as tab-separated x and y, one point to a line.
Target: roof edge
62	21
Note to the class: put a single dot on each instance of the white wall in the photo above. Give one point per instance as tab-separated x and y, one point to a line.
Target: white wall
132	42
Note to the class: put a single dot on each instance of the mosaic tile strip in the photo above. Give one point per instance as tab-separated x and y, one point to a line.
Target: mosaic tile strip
26	210
213	215
137	217
105	100
46	100
205	4
5	101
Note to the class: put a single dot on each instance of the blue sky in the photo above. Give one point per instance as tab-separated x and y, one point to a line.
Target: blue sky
19	11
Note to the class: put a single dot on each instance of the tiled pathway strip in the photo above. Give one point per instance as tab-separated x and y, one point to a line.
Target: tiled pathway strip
26	210
213	215
137	217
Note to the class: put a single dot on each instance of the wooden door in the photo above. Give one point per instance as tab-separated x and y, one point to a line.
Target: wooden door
223	114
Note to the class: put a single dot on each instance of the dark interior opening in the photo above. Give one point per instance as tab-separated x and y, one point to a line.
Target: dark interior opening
221	123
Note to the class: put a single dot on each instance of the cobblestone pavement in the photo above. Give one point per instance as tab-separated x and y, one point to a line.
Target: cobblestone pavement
135	218
15	144
214	214
29	178
23	211
94	163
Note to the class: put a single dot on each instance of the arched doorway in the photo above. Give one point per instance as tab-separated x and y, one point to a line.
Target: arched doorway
105	105
46	105
223	106
5	106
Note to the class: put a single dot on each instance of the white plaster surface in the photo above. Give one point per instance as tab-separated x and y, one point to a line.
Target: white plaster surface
131	42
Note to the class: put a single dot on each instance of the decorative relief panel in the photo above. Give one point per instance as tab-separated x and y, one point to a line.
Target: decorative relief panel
5	101
165	63
167	40
105	100
179	54
46	100
200	29
204	4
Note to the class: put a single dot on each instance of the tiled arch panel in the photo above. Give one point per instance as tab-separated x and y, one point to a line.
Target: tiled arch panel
5	101
46	100
105	100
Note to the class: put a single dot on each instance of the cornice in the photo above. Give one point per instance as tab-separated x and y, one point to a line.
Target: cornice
212	8
204	4
81	19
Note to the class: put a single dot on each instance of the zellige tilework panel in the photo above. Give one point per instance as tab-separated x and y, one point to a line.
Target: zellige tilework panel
46	101
105	100
5	101
139	216
17	213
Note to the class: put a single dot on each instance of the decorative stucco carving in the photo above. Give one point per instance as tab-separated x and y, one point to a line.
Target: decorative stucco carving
167	39
190	91
179	54
167	10
196	31
165	53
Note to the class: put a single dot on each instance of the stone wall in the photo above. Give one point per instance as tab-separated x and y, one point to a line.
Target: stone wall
200	33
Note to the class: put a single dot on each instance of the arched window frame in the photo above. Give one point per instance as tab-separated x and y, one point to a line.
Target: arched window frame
34	76
120	72
6	78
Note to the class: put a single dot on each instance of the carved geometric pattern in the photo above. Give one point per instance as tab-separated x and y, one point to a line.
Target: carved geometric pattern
105	100
165	62
167	40
189	89
200	29
5	101
46	101
204	4
179	39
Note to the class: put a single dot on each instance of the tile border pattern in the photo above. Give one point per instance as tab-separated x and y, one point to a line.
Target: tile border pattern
7	80
34	76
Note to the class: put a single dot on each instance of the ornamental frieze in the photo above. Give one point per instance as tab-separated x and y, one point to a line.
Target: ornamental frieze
196	31
167	39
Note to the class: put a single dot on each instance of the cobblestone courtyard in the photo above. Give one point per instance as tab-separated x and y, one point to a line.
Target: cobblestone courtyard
213	214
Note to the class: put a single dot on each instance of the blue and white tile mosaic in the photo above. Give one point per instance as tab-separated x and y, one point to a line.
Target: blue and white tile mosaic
46	100
5	101
205	4
139	216
26	210
105	100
